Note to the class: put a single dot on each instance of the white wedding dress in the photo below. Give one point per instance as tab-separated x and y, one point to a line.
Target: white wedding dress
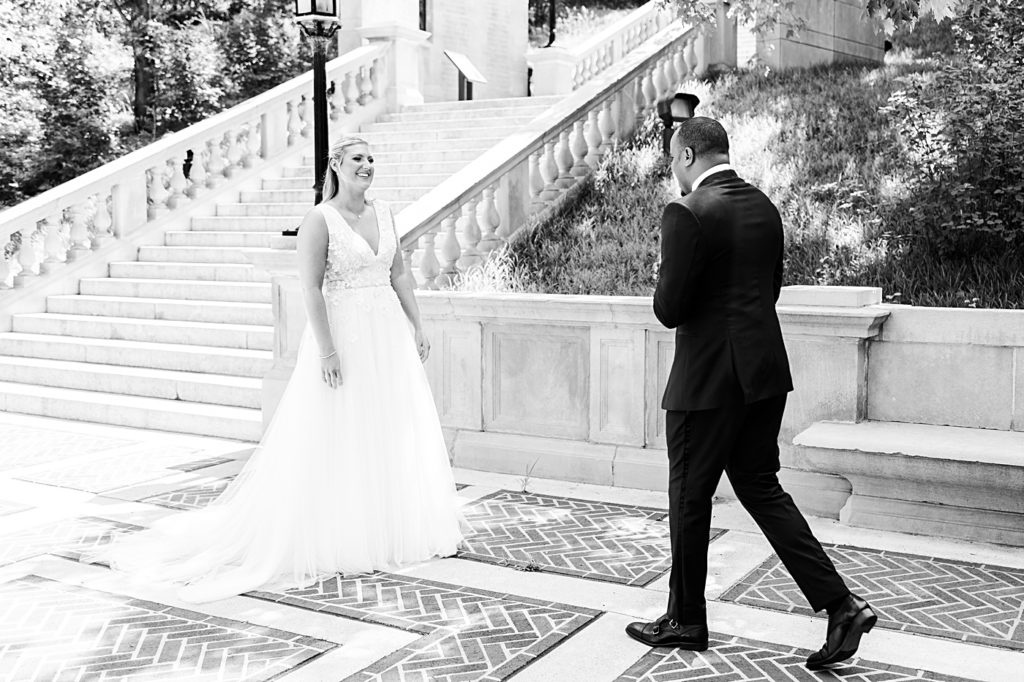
347	480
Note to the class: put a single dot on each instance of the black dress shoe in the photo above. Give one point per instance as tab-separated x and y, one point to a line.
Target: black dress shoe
667	632
845	627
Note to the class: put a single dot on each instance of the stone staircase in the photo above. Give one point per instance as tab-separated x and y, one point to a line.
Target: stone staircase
180	339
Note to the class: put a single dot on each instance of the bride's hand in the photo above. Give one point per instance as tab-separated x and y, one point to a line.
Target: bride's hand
330	370
422	345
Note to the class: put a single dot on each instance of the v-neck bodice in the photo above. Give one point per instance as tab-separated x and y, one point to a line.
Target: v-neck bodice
351	263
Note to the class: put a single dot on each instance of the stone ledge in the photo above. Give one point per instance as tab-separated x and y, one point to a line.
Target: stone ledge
917	478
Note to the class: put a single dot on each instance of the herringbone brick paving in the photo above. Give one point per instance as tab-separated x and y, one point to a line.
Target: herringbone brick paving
26	446
68	538
737	658
596	540
52	631
974	603
469	634
193	496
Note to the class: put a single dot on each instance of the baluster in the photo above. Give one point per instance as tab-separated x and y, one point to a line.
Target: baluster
215	163
178	183
490	223
606	124
251	148
158	193
700	47
670	72
593	136
27	256
470	230
5	269
365	86
294	123
536	181
580	169
660	81
79	233
577	76
451	251
306	114
54	248
233	154
407	251
549	173
648	89
351	92
639	100
375	71
677	58
564	160
197	175
335	100
102	222
429	265
690	56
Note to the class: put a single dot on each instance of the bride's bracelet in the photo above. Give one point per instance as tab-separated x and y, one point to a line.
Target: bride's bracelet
324	357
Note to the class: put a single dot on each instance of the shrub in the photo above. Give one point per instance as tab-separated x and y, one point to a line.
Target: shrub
189	74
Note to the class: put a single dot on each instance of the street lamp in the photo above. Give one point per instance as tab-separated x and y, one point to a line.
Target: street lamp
318	19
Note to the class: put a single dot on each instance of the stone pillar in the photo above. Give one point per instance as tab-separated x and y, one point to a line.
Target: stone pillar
289	318
404	65
553	68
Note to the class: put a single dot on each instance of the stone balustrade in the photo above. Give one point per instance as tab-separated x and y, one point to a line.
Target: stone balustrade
461	221
560	70
71	222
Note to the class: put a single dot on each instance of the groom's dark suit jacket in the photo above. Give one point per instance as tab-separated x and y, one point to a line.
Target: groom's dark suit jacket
721	271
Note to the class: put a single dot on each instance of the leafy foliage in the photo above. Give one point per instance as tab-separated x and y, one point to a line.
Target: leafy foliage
905	176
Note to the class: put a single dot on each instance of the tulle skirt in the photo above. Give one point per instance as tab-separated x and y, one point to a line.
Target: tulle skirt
347	480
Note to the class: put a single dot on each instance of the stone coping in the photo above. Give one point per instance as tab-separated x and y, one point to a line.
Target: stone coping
957	326
952	443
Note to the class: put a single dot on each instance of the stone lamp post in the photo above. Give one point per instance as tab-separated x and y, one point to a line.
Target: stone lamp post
318	19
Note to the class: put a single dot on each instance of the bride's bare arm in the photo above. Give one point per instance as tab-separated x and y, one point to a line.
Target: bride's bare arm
312	252
402	283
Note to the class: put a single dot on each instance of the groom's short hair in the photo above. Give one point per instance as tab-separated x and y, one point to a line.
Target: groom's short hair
703	135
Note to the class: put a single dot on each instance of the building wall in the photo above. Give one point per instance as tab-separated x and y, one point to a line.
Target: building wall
836	31
492	33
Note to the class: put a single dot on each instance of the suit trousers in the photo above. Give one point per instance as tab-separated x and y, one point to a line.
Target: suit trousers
741	440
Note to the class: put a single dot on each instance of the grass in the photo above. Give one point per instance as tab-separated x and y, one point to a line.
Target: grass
823	146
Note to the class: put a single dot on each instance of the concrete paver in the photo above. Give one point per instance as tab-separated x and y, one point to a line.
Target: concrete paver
596	560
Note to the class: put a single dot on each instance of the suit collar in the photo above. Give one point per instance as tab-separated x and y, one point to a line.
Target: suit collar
714	170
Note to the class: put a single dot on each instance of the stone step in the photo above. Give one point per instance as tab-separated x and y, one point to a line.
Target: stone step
196	254
258	240
242	336
413	155
223	312
179	416
138	381
299	195
438	136
180	357
243	292
920	478
383	180
211	272
423	123
273	224
389	151
413	169
504	104
281	203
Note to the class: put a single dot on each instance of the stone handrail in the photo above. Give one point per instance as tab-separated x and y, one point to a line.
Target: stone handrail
559	70
482	205
108	203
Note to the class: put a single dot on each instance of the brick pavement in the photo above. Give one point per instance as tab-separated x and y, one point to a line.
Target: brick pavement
557	573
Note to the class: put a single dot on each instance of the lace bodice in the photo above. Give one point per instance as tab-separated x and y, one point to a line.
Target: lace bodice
351	264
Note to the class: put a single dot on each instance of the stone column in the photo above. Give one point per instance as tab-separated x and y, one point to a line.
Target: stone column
553	69
289	318
404	63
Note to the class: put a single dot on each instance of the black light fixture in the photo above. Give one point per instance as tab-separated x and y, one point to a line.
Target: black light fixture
318	19
675	109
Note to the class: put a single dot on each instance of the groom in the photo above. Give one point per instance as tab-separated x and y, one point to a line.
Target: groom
720	275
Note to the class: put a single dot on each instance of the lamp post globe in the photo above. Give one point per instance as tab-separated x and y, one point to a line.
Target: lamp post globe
318	20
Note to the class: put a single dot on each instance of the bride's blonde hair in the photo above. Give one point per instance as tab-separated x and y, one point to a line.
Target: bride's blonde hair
337	153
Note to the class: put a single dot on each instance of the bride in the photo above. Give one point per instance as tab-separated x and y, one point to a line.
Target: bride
352	475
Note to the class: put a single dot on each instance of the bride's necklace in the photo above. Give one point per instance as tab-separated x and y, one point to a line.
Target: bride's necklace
358	216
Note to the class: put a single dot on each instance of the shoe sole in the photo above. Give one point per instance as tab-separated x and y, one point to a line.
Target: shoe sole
862	624
686	646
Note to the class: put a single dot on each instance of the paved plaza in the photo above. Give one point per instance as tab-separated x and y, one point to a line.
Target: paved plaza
550	575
